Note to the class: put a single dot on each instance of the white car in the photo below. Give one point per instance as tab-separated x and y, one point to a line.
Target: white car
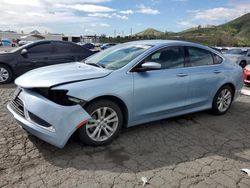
239	56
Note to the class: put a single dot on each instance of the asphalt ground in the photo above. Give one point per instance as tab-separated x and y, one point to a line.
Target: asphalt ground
195	150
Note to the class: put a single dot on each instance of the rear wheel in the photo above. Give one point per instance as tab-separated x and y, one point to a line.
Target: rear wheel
243	64
105	125
222	100
5	74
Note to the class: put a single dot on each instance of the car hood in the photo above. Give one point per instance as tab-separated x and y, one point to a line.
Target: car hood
59	74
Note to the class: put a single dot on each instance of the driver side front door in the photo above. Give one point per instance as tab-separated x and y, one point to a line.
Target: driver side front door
161	93
36	56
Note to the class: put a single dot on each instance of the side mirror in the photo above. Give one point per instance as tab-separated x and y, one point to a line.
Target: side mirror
24	51
149	66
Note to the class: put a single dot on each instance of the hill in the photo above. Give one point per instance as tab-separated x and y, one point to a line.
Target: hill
150	32
233	33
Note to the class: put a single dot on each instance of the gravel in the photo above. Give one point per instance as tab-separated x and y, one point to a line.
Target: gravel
196	150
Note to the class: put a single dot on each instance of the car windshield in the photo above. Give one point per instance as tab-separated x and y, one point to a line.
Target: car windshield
118	56
237	51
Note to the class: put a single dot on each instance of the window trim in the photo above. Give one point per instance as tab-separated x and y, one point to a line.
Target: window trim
38	44
132	69
212	54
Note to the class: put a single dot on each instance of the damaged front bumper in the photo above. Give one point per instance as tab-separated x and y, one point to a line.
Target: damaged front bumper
45	119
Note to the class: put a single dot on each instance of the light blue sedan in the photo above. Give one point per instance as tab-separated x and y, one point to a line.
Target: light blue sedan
126	85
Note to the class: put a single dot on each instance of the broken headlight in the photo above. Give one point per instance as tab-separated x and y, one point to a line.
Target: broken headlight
59	96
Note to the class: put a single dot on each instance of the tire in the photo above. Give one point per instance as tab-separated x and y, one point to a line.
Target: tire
100	125
6	74
243	64
224	99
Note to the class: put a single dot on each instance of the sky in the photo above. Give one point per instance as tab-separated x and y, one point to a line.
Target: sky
89	17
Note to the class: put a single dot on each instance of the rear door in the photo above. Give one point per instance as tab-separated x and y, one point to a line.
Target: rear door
37	56
205	72
62	53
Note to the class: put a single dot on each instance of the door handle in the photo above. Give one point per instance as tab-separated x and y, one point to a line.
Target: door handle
181	75
217	71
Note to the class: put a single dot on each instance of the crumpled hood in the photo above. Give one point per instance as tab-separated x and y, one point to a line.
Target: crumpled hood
59	74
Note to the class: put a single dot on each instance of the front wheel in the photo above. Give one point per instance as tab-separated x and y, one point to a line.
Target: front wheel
105	125
222	100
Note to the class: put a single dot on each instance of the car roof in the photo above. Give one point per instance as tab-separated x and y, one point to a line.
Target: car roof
161	43
164	42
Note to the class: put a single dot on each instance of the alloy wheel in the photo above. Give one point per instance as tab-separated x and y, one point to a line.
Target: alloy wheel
224	100
103	124
4	74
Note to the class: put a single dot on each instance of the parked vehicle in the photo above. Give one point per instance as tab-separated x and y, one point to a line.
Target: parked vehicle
89	46
38	54
127	85
6	42
23	42
246	75
215	48
239	56
107	45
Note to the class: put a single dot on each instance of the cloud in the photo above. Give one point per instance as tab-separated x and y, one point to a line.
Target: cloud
101	15
213	16
40	15
221	13
127	12
186	24
80	1
106	15
179	0
120	16
87	7
147	10
22	2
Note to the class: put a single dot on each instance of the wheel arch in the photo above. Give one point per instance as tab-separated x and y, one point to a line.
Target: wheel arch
5	64
118	101
11	68
231	85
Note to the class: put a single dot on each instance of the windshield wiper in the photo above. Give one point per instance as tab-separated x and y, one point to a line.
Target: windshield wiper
96	65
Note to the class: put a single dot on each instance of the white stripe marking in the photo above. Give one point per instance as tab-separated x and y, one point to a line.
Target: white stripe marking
245	92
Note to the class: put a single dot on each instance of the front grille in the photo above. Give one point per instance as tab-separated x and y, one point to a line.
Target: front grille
248	77
17	106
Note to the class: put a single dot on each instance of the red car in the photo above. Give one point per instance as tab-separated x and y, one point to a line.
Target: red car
246	75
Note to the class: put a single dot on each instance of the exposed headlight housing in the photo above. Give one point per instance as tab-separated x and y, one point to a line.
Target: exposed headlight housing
59	96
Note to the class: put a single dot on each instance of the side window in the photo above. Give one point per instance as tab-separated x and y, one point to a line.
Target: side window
217	59
199	57
169	58
44	48
63	48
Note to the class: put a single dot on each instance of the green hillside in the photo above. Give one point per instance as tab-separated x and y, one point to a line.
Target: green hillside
233	33
150	32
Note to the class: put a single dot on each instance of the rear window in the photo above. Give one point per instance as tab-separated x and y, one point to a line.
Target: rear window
199	57
217	59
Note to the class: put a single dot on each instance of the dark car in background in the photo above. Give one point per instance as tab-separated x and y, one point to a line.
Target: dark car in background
107	45
38	54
